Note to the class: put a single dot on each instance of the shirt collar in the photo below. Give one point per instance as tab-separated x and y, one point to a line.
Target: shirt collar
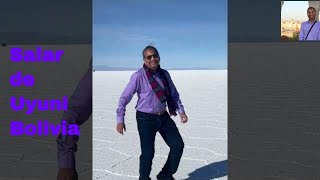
310	22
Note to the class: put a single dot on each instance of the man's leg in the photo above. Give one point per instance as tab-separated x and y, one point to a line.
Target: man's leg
172	137
147	127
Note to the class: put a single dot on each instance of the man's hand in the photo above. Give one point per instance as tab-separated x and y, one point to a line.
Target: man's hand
184	118
67	174
121	127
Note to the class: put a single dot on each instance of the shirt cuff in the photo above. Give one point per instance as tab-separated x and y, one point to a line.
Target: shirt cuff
120	119
66	147
67	160
180	107
181	110
120	115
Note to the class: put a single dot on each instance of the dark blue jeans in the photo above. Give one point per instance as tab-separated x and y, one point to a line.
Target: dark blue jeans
148	126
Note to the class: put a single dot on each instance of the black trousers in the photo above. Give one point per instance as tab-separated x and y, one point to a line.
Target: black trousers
148	126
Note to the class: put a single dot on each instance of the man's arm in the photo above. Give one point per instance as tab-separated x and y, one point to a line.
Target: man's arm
79	110
175	94
318	31
126	97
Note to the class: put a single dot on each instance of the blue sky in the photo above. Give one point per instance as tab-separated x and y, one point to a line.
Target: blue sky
296	10
186	33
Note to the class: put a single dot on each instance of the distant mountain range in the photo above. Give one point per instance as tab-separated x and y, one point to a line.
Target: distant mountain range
109	68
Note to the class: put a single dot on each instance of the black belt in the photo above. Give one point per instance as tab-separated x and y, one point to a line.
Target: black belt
156	113
159	113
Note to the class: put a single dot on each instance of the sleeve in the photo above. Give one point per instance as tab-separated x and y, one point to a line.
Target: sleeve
126	97
318	31
79	110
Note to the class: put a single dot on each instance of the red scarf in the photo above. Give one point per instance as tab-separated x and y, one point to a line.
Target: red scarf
163	94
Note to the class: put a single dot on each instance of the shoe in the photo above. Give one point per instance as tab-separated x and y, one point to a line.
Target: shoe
163	177
143	178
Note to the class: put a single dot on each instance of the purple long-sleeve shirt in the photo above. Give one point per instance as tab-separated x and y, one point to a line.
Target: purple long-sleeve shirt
148	102
314	33
79	110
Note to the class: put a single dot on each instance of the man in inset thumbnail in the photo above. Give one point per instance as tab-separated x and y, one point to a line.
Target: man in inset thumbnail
310	30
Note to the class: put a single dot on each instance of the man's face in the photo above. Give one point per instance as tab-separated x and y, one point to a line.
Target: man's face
151	59
311	14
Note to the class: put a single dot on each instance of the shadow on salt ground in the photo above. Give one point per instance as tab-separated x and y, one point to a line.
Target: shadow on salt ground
211	171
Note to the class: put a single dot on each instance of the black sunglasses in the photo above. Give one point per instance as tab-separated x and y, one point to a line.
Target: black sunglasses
153	55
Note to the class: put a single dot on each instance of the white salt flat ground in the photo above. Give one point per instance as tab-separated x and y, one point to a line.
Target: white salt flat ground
204	95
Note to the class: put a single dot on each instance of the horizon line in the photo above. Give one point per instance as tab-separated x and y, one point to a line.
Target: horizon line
172	70
108	68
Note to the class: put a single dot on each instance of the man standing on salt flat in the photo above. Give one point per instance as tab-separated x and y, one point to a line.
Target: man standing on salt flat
310	30
155	91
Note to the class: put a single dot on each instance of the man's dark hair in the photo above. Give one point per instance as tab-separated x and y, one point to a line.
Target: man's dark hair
312	8
149	47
